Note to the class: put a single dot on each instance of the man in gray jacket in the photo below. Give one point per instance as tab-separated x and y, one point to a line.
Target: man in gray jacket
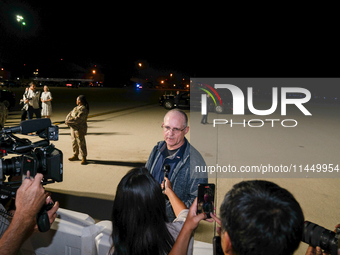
176	153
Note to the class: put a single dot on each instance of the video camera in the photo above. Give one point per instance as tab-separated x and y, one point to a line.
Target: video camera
316	235
36	157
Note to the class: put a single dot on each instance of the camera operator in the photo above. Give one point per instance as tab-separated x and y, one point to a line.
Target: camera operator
29	200
24	109
257	217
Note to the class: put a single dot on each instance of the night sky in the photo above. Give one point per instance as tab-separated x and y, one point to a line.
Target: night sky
114	36
178	38
109	36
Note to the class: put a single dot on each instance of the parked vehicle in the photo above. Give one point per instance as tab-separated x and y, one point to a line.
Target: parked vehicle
168	100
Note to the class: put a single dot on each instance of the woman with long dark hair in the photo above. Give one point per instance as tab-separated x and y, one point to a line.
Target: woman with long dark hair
77	121
139	220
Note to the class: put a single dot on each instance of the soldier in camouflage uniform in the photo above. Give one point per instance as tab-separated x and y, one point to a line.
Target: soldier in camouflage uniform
3	114
77	121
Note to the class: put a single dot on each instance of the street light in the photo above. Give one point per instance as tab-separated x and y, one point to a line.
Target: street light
20	20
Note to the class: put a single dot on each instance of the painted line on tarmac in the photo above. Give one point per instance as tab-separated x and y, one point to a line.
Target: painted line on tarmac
109	112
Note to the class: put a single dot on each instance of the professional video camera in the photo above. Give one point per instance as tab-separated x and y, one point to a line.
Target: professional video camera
37	157
316	235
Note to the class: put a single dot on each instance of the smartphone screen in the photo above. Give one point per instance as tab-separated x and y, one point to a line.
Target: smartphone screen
205	198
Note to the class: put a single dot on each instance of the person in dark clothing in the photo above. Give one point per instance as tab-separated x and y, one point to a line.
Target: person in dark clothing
205	117
25	107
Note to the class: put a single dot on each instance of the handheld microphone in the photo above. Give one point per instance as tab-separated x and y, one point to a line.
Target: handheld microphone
166	170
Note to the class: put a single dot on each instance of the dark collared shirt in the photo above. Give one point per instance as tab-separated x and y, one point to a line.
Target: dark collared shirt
168	157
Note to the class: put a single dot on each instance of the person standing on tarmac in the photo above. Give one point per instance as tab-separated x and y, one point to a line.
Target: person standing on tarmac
3	114
46	98
25	107
32	99
77	121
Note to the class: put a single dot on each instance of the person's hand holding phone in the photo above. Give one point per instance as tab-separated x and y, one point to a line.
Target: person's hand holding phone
193	218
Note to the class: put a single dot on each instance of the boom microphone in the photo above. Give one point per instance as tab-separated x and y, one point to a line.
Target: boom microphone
29	126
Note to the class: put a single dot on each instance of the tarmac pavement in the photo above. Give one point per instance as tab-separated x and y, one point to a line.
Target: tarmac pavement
124	126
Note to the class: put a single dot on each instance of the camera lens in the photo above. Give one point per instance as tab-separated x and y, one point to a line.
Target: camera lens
12	166
316	235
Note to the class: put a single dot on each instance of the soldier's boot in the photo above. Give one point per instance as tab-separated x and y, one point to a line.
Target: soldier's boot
83	161
74	158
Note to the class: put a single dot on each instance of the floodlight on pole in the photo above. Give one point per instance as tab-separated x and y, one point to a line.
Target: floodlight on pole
19	18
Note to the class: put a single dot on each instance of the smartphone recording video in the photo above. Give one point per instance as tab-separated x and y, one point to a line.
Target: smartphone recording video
205	198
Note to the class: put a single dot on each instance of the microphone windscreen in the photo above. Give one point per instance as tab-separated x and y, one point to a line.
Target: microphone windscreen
29	126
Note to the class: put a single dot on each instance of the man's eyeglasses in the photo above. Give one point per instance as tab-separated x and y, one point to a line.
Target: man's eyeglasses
174	130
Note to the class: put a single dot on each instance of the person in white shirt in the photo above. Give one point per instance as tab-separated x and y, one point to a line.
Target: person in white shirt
32	99
46	98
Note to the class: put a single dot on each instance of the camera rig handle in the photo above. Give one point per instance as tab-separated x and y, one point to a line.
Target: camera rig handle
43	221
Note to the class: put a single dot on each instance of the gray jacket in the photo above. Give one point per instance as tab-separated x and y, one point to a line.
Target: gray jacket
183	184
